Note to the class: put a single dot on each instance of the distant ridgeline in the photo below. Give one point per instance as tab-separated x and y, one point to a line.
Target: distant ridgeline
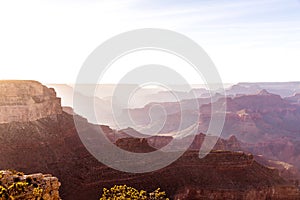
24	101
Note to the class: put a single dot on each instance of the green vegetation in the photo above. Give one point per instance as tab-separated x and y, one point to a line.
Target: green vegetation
123	192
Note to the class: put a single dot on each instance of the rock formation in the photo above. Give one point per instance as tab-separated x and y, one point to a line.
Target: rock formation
136	145
24	101
294	99
33	186
220	175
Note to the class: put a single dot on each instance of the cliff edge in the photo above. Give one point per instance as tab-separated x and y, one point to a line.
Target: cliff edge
15	185
24	101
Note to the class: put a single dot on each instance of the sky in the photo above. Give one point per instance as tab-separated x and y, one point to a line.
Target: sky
249	41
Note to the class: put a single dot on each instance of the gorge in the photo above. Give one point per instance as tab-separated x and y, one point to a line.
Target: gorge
36	136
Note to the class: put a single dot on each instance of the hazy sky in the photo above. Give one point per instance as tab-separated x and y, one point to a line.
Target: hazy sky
255	40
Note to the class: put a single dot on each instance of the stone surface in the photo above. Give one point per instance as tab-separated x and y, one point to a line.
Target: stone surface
48	184
24	101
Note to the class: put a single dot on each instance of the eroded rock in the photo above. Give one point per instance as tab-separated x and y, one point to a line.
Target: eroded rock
24	101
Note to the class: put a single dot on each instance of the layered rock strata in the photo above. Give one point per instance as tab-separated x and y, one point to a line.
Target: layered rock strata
24	101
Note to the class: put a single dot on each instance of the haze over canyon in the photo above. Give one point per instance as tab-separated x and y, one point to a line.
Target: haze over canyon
256	157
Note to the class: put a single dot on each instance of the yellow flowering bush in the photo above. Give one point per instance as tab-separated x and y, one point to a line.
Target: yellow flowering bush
17	189
123	192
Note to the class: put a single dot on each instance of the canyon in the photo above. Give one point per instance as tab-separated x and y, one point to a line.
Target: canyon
49	142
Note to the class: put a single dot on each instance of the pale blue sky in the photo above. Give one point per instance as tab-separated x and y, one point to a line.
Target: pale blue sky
257	40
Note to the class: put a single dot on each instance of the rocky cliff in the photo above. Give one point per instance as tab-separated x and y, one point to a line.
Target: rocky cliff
18	186
52	145
24	101
220	175
257	118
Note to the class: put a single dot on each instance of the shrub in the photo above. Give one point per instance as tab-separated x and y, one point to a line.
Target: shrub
17	189
123	192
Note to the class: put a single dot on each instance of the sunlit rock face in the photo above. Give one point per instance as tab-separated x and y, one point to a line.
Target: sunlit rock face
23	101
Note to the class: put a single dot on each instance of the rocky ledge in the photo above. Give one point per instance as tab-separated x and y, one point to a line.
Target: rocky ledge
233	175
25	101
16	185
220	175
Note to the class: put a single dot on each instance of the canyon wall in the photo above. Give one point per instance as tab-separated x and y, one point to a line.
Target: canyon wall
274	192
52	145
24	101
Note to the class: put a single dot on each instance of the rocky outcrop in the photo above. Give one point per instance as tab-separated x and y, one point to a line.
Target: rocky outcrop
236	175
257	118
29	187
136	145
275	152
283	153
231	144
294	99
276	193
220	175
286	170
53	146
24	101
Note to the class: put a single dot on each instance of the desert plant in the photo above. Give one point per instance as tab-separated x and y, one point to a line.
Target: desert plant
18	189
123	192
